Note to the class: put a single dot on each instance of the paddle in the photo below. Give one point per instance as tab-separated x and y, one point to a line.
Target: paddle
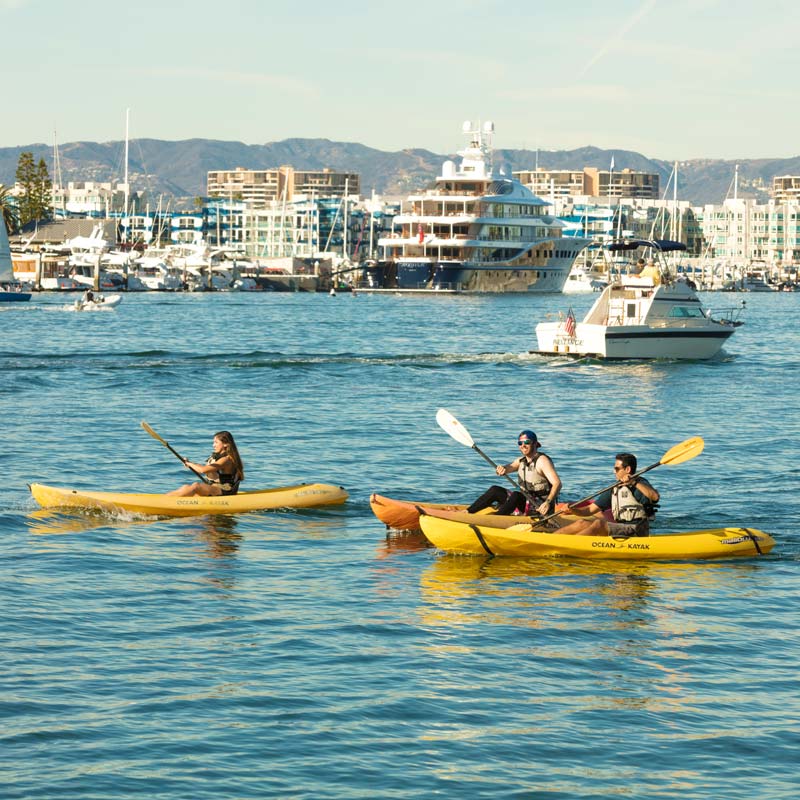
675	455
174	452
451	425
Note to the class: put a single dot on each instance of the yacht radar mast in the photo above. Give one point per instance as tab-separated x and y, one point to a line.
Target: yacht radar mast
478	153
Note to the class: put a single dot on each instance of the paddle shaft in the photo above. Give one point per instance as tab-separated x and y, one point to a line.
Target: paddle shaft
174	452
519	488
607	488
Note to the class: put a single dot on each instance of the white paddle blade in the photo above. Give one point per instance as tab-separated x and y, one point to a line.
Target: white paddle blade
449	424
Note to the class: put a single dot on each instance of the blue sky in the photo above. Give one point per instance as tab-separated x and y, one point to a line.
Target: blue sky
673	79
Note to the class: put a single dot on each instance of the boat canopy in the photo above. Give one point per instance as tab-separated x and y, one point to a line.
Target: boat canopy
664	245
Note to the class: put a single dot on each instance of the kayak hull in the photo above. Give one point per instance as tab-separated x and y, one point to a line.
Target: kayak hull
404	514
304	495
522	540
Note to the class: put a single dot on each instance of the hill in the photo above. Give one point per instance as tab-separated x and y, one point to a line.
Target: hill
178	169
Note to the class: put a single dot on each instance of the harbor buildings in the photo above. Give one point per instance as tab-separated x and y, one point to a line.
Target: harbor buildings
259	187
590	182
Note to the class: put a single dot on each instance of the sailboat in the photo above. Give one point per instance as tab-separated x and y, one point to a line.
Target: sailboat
10	288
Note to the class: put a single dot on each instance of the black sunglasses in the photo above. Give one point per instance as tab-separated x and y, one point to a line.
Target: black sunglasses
524	441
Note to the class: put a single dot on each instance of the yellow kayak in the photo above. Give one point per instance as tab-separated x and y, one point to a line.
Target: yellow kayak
304	495
523	540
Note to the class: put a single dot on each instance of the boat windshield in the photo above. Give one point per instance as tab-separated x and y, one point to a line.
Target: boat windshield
686	311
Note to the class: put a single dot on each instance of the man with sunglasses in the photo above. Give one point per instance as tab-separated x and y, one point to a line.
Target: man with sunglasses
535	474
632	502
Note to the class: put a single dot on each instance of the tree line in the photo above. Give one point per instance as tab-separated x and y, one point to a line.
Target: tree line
32	203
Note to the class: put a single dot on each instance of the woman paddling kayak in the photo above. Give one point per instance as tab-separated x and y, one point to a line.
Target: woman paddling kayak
224	470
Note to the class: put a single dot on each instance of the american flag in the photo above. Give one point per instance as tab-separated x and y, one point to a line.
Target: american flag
569	324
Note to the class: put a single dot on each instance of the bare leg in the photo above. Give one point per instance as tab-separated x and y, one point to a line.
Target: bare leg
191	489
586	527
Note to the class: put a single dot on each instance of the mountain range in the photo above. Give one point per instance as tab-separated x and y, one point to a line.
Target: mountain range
178	169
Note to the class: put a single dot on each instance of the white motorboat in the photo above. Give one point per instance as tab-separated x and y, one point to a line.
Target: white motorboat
644	313
98	302
579	281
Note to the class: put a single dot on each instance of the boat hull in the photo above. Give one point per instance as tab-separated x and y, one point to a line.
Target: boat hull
304	495
632	341
523	541
403	515
14	297
111	301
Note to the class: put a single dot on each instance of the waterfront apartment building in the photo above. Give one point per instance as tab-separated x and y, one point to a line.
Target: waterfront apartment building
260	187
91	199
786	188
741	230
591	182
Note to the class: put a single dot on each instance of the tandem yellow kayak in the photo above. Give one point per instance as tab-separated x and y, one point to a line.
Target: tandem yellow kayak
523	540
303	495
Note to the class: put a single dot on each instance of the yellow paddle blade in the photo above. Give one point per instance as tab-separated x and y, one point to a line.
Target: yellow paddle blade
152	432
684	451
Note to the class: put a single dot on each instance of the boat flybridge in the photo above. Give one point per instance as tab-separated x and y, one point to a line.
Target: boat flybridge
645	312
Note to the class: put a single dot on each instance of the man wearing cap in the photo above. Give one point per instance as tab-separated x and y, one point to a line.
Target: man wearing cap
536	475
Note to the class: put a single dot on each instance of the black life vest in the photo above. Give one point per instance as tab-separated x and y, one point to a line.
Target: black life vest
228	481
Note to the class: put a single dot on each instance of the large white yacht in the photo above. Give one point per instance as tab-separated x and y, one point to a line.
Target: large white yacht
477	229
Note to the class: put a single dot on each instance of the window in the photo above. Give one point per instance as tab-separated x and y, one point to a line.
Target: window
686	312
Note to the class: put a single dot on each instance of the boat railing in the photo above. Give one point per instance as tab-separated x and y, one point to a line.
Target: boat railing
729	316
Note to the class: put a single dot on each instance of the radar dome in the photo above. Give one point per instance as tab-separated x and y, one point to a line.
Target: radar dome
488	126
448	169
467	126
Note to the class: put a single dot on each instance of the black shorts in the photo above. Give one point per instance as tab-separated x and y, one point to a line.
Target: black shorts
625	529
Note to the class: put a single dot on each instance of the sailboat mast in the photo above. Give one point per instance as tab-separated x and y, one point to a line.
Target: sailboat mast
56	182
127	187
344	223
673	222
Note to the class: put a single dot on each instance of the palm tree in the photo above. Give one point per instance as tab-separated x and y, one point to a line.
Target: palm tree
8	209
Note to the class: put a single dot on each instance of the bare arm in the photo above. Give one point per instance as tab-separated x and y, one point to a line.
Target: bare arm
590	510
211	470
504	469
545	466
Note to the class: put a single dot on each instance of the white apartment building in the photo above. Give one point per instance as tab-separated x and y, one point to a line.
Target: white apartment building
742	230
92	198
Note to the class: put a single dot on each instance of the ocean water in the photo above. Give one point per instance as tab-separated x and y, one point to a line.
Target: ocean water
314	655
